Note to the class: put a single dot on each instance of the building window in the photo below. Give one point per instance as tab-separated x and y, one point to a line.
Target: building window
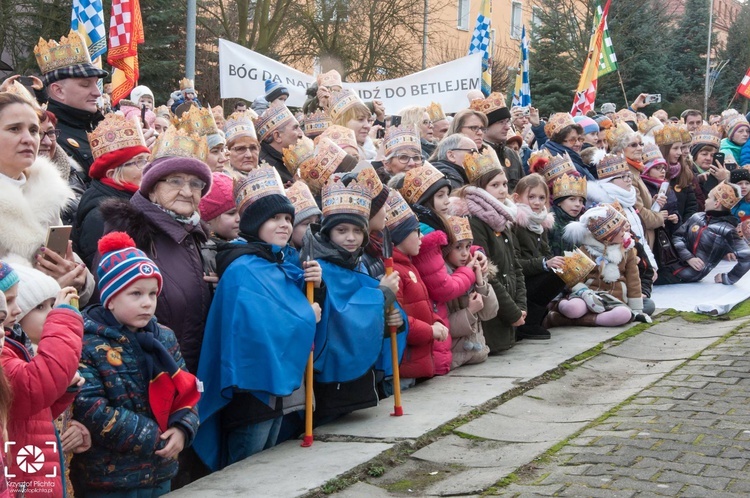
332	10
536	17
516	20
463	14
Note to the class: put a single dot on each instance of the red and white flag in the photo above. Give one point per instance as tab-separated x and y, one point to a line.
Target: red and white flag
586	91
125	33
744	88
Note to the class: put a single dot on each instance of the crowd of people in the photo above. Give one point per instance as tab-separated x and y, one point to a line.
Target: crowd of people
210	254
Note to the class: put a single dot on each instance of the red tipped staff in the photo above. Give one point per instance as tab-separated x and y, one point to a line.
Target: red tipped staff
398	410
307	441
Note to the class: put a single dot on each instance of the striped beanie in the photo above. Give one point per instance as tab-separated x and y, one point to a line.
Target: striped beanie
121	265
8	276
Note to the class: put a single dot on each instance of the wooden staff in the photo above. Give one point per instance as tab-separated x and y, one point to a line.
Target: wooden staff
398	410
307	441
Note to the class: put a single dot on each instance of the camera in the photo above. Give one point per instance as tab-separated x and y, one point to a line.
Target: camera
653	98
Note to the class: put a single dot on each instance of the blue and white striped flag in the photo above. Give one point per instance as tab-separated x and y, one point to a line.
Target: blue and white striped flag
480	42
522	91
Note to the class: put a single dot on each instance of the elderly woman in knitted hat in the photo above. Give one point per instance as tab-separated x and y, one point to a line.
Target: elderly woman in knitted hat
737	129
164	220
120	155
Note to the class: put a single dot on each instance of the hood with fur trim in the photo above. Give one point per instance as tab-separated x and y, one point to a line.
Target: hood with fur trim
478	202
27	211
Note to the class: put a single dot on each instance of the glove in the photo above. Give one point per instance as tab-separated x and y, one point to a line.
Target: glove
593	302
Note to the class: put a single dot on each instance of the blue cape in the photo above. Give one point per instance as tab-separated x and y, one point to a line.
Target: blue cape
258	336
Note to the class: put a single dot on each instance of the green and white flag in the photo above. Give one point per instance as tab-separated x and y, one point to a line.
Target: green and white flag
607	59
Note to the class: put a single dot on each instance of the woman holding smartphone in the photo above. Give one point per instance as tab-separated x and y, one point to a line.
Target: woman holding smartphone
710	171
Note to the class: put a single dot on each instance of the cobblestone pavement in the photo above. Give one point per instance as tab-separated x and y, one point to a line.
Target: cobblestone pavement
688	435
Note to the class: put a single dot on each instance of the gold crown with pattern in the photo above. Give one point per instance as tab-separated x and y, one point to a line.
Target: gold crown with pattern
18	89
668	135
651	152
435	111
71	50
316	123
163	112
478	164
617	134
460	227
493	102
340	135
297	154
605	222
725	194
341	101
275	117
397	210
401	137
330	79
115	132
650	124
240	124
187	84
557	122
569	186
611	165
626	114
198	121
576	267
326	159
687	137
558	166
259	182
366	175
418	181
301	198
339	198
707	135
179	143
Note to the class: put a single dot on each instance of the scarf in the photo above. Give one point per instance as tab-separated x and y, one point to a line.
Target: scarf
125	186
323	248
536	222
193	220
673	170
481	204
626	198
636	164
728	145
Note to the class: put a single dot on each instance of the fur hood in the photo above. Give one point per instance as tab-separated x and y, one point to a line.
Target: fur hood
27	211
607	257
120	215
524	217
478	202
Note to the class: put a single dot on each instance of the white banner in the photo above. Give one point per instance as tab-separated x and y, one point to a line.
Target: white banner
243	74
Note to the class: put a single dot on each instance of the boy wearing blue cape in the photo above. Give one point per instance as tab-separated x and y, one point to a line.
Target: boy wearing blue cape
357	307
260	327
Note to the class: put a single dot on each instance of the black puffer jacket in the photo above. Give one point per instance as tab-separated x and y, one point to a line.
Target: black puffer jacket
454	173
74	125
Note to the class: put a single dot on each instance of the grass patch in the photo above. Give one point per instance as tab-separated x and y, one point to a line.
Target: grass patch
464	435
338	484
741	310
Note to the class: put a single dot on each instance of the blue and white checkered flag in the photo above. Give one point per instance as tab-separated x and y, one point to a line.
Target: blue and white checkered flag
87	18
480	42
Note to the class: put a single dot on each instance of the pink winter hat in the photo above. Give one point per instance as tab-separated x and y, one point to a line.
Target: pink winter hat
219	200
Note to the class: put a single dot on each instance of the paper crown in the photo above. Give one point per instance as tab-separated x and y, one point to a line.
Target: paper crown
569	186
163	112
341	101
477	165
650	125
275	117
400	137
198	121
417	181
259	182
18	89
240	124
651	152
668	135
366	175
330	79
726	194
460	227
611	165
301	198
326	159
604	222
340	135
553	167
707	135
576	267
617	134
297	154
338	198
71	50
493	102
435	111
115	132
179	143
557	122
187	84
316	123
626	114
686	136
397	210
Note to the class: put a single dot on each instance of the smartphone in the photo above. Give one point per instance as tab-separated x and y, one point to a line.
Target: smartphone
719	157
26	81
380	133
57	239
653	98
395	120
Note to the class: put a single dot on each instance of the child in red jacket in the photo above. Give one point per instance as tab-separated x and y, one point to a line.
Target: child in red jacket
425	326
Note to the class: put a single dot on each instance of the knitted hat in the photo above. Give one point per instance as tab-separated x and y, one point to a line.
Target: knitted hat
514	137
274	90
651	157
739	174
602	222
8	277
165	166
34	288
262	210
121	265
303	201
139	91
400	219
608	108
588	124
219	199
603	121
734	124
726	194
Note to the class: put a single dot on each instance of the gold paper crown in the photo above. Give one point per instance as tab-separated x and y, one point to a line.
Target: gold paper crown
618	133
302	199
569	186
366	175
260	182
239	124
297	154
460	227
557	122
576	267
397	210
627	115
605	222
651	152
316	123
341	101
477	165
493	102
725	194
51	55
611	165
558	166
651	123
187	84
338	198
340	135
668	135
435	111
687	137
174	142
18	89
163	112
115	132
707	135
198	121
326	159
418	181
274	117
400	137
330	79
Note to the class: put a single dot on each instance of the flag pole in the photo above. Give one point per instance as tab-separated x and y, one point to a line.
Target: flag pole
622	85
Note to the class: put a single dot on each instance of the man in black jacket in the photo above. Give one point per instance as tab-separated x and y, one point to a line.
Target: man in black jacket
449	158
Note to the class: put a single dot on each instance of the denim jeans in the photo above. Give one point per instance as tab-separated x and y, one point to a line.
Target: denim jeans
251	439
154	492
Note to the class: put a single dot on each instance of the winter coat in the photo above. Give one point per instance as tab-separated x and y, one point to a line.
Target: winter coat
687	203
728	147
73	173
275	159
511	161
650	219
619	276
745	154
709	236
40	394
466	327
175	248
671	207
533	248
427	148
114	405
413	297
557	244
74	125
88	227
557	149
441	287
491	226
454	173
742	210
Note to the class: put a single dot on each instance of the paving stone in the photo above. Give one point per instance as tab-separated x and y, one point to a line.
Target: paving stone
717	483
467	482
472	453
579	491
701	492
362	490
502	428
679	328
520	491
687	468
524	408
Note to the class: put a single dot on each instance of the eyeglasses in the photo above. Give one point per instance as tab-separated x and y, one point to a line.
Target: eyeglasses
178	183
242	149
470	151
476	129
404	159
573	141
627	177
635	145
51	134
427	122
219	150
139	163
